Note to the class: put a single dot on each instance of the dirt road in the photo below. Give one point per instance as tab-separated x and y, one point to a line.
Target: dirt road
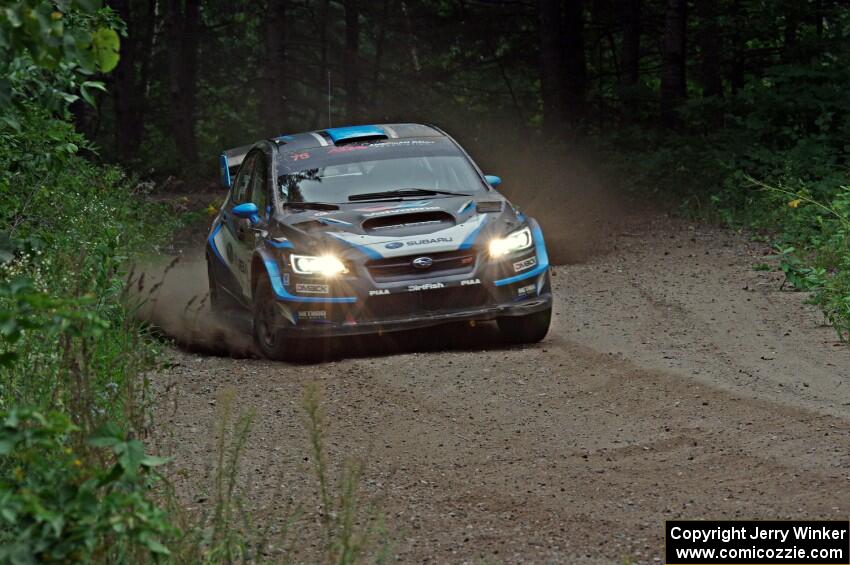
676	382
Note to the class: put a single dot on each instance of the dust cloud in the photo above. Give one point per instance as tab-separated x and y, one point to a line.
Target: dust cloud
173	297
567	187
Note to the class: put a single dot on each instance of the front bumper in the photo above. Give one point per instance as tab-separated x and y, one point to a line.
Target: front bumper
316	328
361	303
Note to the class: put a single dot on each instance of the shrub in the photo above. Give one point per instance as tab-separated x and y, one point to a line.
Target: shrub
58	504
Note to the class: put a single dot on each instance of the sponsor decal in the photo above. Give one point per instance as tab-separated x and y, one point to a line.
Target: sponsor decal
389	208
468	282
405	224
426	286
525	264
299	156
312	314
394	245
312	288
379	292
430	241
384	144
285	279
396	210
404	142
526	291
346	149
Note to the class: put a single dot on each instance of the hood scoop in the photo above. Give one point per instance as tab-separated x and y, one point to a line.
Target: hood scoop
310	225
489	206
409	224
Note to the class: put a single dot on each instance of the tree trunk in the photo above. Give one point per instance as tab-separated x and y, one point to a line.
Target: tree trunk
792	25
551	64
710	49
184	23
408	24
274	89
739	46
323	104
819	19
630	55
375	94
128	93
673	61
352	56
574	74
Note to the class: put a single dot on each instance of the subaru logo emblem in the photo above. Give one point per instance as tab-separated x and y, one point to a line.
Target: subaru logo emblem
394	245
423	262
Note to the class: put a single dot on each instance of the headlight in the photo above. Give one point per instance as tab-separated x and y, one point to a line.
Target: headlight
326	265
514	242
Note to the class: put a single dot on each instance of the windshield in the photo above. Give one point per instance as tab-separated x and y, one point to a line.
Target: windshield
338	173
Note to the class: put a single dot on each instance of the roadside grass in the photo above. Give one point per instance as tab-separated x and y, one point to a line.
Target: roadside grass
342	527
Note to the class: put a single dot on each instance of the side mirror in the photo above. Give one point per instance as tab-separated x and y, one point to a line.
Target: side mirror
248	210
493	180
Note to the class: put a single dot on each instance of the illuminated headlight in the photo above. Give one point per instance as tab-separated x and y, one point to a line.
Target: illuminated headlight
326	265
516	241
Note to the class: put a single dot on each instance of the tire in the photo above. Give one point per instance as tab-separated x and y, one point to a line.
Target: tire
271	342
530	328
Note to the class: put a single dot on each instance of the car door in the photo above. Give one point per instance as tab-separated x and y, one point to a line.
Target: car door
237	232
258	193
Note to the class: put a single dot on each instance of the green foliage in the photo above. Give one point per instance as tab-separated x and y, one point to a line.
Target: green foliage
105	46
775	160
29	310
823	265
69	344
68	227
50	50
58	503
40	28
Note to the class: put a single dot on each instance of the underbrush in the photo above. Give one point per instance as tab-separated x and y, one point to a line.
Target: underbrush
774	159
67	230
74	478
75	397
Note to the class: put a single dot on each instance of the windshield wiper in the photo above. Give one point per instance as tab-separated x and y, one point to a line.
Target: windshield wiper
402	192
311	205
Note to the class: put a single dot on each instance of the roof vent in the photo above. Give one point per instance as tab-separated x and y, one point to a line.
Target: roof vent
356	133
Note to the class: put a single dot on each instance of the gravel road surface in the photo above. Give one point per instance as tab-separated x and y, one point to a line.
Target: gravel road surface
676	382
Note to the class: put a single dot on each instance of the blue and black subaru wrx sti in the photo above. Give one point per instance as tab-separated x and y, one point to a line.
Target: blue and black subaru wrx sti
370	229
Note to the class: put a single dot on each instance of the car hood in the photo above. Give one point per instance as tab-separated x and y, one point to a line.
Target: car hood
387	229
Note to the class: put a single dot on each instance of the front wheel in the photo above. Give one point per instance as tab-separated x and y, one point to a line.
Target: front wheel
530	328
267	333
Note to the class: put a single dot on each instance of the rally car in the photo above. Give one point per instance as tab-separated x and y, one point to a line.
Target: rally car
371	229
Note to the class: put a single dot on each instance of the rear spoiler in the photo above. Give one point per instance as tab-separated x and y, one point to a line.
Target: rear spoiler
229	162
